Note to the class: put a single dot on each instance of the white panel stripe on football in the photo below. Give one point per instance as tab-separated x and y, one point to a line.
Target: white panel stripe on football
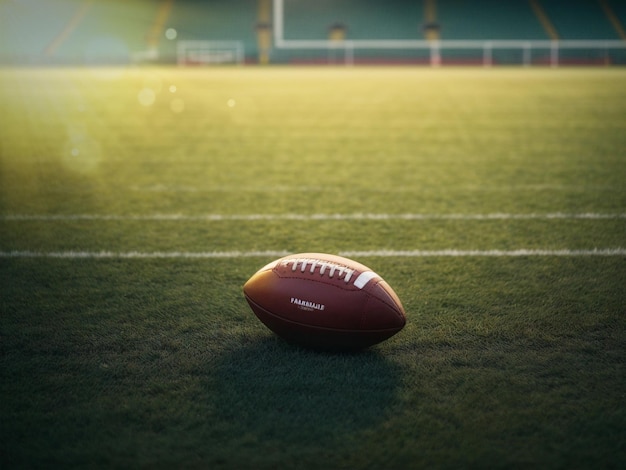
304	217
278	254
364	278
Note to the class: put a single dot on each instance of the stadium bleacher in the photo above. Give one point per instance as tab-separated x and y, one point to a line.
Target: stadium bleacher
618	8
364	19
581	20
488	19
116	31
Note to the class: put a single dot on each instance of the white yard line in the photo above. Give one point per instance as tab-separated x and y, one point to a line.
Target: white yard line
162	188
142	255
492	253
305	217
605	252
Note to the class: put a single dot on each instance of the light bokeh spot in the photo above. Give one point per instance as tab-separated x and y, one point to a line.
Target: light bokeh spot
146	97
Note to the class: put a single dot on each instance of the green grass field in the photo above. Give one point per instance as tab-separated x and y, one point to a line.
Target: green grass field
134	204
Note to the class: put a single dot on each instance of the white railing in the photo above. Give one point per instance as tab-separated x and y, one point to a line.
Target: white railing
434	49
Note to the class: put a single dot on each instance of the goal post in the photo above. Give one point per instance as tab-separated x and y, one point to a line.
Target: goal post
202	52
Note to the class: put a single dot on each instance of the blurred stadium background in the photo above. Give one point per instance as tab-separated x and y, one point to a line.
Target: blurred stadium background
432	32
156	153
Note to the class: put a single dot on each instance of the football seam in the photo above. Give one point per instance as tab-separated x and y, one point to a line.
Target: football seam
399	310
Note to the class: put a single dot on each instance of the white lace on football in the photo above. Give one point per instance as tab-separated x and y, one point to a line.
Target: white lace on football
313	264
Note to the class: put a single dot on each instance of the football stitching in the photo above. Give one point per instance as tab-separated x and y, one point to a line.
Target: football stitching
323	266
343	272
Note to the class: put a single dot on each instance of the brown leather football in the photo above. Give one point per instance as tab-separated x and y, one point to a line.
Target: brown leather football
325	301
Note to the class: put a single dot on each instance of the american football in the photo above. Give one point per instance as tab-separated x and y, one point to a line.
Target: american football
325	302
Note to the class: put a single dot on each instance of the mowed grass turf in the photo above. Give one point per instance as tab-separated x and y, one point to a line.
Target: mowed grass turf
505	362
